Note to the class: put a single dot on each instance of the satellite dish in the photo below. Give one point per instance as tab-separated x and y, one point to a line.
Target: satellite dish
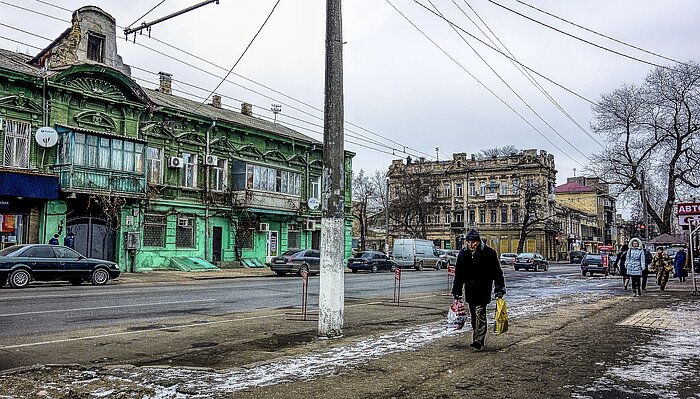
313	203
46	136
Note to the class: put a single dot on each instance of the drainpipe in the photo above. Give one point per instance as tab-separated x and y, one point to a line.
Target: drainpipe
207	236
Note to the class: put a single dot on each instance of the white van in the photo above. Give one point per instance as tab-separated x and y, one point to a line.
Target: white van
411	252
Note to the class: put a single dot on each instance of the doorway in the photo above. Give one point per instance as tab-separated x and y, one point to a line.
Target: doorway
217	234
93	237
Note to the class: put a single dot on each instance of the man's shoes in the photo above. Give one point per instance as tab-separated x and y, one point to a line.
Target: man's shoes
476	345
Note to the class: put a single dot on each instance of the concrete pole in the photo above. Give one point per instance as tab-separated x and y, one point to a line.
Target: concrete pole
386	218
331	284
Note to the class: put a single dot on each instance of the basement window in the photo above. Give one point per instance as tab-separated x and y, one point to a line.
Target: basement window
96	47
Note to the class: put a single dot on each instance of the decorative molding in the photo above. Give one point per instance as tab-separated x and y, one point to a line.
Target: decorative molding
97	87
95	120
21	103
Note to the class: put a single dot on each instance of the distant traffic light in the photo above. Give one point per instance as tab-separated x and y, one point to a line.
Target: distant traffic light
642	230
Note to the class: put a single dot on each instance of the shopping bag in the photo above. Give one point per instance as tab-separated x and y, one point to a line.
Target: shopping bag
457	315
501	317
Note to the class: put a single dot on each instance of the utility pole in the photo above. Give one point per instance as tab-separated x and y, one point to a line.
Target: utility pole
644	204
331	296
386	220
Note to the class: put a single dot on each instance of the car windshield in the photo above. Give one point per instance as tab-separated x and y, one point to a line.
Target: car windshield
12	250
593	256
290	252
526	255
365	255
509	255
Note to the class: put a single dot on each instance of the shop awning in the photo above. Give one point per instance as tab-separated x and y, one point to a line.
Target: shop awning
273	211
28	185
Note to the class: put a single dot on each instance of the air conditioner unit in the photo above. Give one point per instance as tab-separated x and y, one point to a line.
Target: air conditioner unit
310	225
264	226
212	160
177	162
184	222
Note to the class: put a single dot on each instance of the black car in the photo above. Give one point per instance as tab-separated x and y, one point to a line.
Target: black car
593	263
530	260
20	264
576	256
296	261
372	261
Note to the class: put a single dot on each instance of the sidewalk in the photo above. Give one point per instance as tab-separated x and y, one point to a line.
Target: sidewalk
163	276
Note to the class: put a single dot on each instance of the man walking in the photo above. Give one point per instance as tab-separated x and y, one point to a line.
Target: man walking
476	271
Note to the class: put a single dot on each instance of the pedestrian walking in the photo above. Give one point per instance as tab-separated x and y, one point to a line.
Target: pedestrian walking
54	240
645	271
69	240
620	265
663	266
679	265
635	262
477	271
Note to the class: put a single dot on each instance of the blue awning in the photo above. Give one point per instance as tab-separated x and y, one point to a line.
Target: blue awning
28	185
273	211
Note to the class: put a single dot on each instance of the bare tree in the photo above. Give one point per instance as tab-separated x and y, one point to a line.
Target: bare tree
363	193
652	139
504	151
535	211
412	200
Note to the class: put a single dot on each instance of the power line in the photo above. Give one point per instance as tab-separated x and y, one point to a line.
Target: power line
147	12
522	70
511	88
600	34
480	83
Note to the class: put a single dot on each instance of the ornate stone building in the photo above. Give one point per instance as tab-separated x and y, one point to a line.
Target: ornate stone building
487	194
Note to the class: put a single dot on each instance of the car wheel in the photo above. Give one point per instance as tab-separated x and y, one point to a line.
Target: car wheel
503	263
420	266
76	281
590	274
374	268
19	278
100	276
354	271
536	268
583	272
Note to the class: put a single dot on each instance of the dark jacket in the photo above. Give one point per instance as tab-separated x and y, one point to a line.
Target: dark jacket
53	241
478	273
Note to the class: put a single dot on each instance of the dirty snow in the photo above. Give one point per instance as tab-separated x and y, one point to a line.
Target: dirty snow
671	357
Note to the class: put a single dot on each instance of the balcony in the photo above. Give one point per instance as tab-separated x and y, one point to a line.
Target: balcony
266	200
457	225
74	178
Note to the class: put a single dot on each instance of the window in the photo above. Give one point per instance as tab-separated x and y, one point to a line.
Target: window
447	190
17	136
504	187
65	253
315	187
219	175
95	47
266	179
154	227
189	175
245	238
515	186
516	213
458	189
504	215
459	217
104	153
293	236
472	217
482	188
482	216
155	165
437	217
448	218
472	188
493	216
428	219
39	252
184	232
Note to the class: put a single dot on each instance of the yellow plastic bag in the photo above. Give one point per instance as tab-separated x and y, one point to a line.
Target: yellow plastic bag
501	318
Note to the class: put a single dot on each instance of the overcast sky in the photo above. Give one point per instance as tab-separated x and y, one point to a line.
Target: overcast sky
401	90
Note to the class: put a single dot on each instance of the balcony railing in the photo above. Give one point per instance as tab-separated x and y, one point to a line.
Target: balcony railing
457	225
266	200
84	179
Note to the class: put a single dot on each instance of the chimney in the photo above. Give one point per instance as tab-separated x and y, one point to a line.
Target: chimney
166	83
247	109
216	101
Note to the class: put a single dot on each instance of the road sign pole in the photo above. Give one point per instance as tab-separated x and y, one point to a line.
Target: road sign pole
692	257
397	286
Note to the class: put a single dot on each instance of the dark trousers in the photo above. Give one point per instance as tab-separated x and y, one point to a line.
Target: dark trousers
645	276
635	283
477	313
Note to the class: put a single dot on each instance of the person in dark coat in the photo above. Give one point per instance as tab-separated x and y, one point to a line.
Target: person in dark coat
476	272
54	240
620	263
69	240
679	265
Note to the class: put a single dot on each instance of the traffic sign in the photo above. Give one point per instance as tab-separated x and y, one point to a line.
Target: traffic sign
450	270
688	213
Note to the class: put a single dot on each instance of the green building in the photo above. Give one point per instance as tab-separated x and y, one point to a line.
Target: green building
142	176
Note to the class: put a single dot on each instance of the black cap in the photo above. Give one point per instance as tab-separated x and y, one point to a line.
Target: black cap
472	235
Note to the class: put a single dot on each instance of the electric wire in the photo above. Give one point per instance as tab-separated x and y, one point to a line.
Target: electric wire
482	84
522	70
236	84
600	34
242	54
144	15
511	88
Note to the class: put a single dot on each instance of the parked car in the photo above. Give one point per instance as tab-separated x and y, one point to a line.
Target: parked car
593	263
415	253
576	256
372	261
530	260
507	258
295	261
20	264
447	257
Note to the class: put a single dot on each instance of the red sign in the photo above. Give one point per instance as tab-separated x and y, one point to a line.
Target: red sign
689	209
397	273
605	260
450	270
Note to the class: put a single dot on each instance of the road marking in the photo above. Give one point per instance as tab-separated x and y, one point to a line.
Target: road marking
103	307
207	323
